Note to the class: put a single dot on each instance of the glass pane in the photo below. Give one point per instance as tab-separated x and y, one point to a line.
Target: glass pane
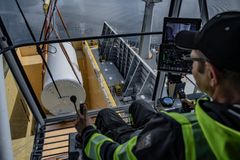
14	22
215	7
190	9
82	18
160	11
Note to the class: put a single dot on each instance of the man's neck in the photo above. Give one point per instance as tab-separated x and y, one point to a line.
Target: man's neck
227	95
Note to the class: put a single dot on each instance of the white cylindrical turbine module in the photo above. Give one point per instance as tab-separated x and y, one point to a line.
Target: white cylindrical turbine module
65	79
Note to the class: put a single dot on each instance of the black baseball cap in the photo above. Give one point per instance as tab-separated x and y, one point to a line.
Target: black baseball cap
218	40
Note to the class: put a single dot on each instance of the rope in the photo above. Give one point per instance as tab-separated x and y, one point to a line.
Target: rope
45	21
50	26
67	57
61	18
37	46
51	16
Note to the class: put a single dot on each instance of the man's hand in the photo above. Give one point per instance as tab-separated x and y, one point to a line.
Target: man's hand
186	103
83	120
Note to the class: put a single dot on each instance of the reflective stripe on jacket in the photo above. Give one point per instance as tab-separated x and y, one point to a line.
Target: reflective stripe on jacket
192	135
122	152
224	141
201	135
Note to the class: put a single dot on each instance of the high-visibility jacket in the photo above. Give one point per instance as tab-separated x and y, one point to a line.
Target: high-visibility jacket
172	136
223	140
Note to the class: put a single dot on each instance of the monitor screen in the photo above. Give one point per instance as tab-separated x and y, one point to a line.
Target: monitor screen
171	58
174	25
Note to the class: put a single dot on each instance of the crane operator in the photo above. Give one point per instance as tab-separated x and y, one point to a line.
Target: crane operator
211	132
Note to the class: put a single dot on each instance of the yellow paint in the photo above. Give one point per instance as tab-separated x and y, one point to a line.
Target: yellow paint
93	43
22	147
11	92
83	68
77	45
27	51
32	65
46	5
95	95
88	51
20	118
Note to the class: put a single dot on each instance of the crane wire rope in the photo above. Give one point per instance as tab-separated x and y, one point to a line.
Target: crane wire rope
45	21
39	51
67	57
64	25
51	26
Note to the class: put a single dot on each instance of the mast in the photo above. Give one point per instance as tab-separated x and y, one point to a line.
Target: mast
147	27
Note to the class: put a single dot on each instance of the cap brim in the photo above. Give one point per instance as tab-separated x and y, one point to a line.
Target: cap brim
186	40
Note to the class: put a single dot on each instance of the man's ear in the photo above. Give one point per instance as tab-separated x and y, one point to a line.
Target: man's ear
212	75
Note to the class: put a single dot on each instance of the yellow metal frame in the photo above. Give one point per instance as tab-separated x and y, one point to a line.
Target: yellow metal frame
96	67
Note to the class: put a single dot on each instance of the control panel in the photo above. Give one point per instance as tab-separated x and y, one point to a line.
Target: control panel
172	59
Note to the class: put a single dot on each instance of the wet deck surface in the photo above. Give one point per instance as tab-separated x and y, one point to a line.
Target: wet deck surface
109	70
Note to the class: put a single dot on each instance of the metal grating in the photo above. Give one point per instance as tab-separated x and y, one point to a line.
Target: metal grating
52	141
139	78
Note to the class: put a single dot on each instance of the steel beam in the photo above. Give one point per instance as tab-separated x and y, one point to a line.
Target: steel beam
203	11
175	7
146	27
24	87
6	152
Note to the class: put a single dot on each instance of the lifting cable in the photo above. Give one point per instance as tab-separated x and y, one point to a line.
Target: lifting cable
62	46
64	25
50	26
49	29
67	57
44	46
45	21
45	26
38	47
50	19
